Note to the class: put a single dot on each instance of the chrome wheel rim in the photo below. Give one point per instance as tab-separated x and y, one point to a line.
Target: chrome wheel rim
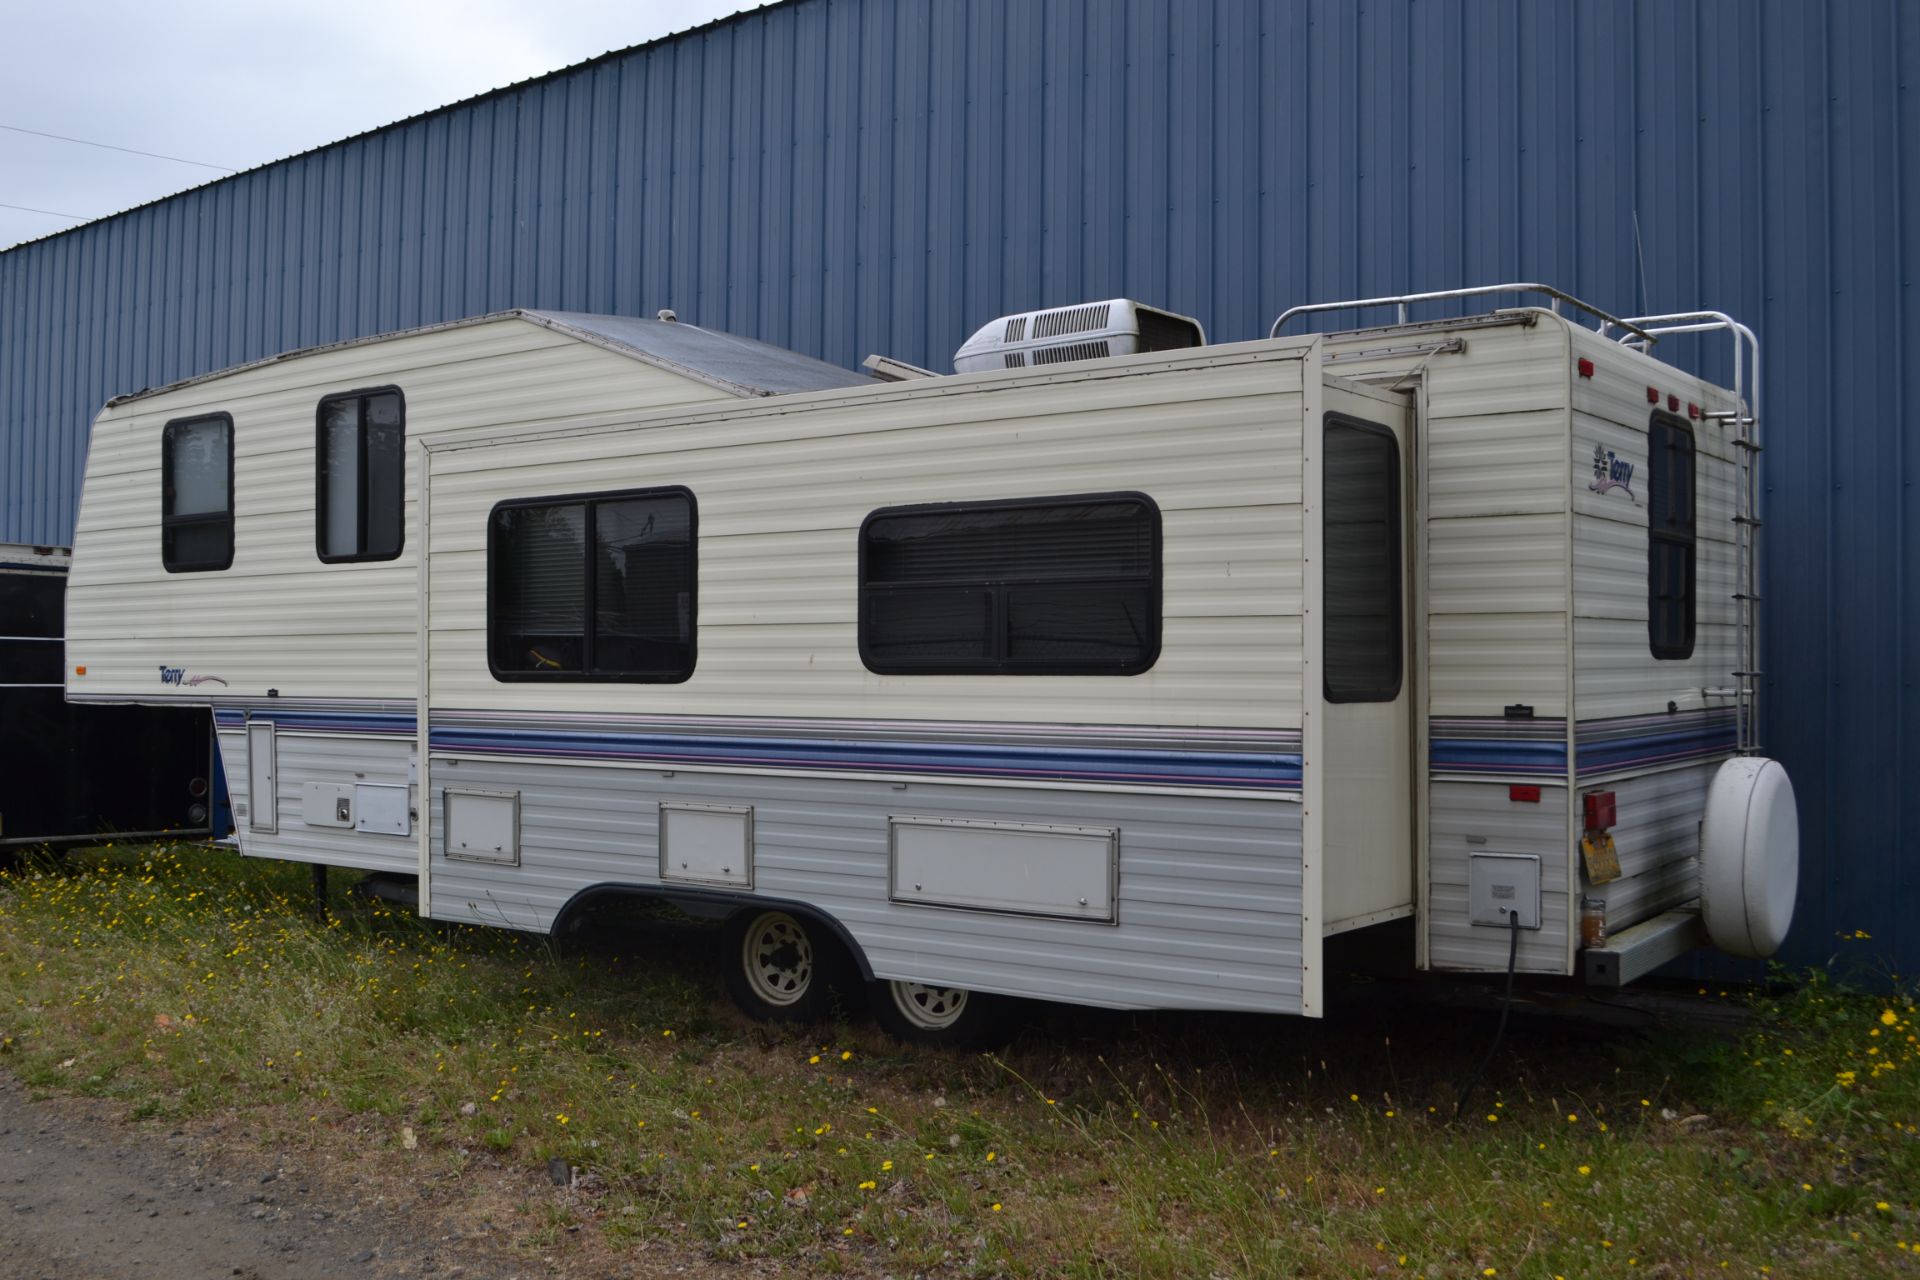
777	958
928	1007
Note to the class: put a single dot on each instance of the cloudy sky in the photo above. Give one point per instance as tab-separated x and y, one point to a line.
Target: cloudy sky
236	83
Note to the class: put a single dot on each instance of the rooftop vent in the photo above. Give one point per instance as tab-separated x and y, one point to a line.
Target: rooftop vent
1085	331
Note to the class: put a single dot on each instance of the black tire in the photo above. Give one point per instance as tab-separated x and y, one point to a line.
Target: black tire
781	967
921	1013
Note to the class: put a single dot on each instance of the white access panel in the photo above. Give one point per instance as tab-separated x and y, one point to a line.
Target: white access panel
327	804
706	843
1025	868
263	782
1501	886
482	826
383	810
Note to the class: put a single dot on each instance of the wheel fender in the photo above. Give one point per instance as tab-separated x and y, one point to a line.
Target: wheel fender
708	900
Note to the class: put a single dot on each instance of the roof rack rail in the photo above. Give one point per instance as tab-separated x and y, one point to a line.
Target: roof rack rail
1554	296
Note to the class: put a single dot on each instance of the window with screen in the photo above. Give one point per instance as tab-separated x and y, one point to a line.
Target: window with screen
1055	586
1671	587
360	495
1361	562
596	587
196	494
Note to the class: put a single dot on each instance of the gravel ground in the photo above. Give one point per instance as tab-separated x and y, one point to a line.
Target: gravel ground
83	1200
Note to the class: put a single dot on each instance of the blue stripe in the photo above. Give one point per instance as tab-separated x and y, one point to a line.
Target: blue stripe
362	722
1278	770
1497	755
1602	746
1685	743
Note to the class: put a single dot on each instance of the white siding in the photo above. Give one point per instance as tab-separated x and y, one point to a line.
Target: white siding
301	758
1615	673
278	618
1658	840
1478	817
1208	907
783	488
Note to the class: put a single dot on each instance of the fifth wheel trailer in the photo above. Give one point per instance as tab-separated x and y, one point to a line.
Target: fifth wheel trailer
1119	679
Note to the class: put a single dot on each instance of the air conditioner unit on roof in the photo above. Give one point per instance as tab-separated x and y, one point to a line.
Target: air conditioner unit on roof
1084	331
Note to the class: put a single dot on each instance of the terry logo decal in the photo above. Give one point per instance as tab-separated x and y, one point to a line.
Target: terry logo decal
179	676
1610	472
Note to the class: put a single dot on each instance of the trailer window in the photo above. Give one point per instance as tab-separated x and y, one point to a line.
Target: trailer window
1058	586
1361	528
598	587
196	494
360	500
1671	588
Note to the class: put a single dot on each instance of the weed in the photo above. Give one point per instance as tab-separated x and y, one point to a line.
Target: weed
192	984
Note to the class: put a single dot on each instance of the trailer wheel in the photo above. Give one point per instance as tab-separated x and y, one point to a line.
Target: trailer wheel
780	967
923	1013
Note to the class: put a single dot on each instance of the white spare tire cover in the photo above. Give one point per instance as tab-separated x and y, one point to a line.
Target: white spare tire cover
1749	857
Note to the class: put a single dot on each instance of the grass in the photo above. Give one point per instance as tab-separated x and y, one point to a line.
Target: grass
192	986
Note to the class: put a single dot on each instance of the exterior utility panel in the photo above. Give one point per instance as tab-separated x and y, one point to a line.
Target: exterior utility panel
727	640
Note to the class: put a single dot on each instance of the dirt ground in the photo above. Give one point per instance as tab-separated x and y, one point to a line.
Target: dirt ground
83	1199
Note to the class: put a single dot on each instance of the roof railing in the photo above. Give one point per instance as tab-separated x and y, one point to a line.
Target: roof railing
1401	301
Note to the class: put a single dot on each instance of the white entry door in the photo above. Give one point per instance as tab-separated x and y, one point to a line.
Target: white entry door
1366	735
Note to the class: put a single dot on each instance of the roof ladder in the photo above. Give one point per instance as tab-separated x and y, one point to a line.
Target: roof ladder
1745	417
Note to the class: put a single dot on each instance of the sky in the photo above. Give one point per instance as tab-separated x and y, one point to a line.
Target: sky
237	83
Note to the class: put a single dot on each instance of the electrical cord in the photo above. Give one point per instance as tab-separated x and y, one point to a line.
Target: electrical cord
1506	1006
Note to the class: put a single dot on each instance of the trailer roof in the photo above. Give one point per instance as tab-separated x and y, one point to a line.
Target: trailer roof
740	366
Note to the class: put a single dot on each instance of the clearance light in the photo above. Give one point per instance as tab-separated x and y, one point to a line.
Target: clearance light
79	671
1673	404
1653	395
1693	410
1586	367
1524	793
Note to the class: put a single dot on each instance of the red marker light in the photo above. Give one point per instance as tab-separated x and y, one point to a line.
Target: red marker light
1586	367
1673	404
1601	812
1693	410
1523	793
1653	395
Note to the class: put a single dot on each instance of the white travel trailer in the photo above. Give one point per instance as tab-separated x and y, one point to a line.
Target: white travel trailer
1123	680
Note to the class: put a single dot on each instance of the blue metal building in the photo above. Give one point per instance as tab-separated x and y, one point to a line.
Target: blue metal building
847	176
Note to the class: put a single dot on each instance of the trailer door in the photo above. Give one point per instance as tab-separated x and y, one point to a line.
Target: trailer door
1365	751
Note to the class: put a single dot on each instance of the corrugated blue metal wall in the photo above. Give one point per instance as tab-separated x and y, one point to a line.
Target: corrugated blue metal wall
846	176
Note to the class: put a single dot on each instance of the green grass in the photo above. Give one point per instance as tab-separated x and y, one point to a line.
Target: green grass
190	985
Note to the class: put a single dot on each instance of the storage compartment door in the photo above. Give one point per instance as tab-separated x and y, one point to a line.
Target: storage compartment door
263	781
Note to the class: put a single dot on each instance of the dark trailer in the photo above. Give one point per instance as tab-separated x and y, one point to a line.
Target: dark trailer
70	774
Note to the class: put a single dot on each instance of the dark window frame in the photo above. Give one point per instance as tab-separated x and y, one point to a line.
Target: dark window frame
1387	690
1662	531
170	522
320	473
588	501
1001	665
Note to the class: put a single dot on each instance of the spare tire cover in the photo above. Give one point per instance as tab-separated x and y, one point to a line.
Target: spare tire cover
1749	857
